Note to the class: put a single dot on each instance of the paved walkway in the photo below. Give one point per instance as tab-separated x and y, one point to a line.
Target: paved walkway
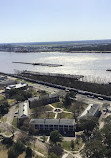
56	115
51	106
10	114
65	155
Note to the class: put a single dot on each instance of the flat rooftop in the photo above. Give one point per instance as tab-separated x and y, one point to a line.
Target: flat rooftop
20	85
23	109
53	121
90	110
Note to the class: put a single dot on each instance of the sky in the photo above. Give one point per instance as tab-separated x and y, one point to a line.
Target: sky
54	20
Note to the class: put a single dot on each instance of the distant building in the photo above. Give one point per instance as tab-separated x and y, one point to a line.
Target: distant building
16	86
23	112
2	77
62	125
91	110
4	80
109	109
43	100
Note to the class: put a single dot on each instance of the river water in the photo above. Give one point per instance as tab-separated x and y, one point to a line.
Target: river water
92	65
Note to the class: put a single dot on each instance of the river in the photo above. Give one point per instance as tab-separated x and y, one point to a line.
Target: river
92	65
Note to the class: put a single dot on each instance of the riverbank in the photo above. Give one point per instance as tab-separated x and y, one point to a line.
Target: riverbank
104	89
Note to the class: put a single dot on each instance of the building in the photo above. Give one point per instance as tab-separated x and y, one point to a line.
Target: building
62	125
23	112
4	80
108	109
91	110
43	100
16	86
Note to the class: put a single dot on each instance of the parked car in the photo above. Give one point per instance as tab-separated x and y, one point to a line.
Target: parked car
90	96
100	98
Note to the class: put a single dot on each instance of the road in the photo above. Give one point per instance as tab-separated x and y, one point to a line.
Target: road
10	114
88	100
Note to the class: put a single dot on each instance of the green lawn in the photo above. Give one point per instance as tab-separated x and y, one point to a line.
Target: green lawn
65	115
42	137
46	115
11	101
77	145
58	105
3	119
14	123
1	97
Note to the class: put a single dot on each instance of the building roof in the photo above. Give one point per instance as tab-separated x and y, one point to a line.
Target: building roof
34	98
23	109
90	110
2	77
53	121
109	108
20	85
47	96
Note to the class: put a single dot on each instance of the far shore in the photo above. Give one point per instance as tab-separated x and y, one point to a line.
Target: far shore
60	51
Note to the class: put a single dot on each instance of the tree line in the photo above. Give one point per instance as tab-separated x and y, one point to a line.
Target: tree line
104	89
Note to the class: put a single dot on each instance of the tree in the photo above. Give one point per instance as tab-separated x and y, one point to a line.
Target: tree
55	137
56	149
29	152
8	141
24	138
19	147
93	149
106	135
4	107
88	124
67	100
99	146
24	125
53	155
11	153
72	144
18	94
44	138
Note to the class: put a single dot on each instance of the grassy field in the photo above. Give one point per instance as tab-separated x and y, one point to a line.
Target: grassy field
77	145
1	97
11	101
3	119
14	123
3	153
44	152
45	115
65	115
58	105
22	155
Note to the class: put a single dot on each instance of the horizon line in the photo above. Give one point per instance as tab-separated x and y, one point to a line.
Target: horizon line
55	41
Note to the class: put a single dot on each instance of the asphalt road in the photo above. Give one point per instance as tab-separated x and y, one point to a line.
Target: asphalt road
89	100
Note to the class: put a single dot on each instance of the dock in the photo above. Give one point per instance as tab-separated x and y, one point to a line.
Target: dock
39	64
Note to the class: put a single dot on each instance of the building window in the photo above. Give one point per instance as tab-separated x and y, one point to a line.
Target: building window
51	126
46	126
41	126
70	127
36	126
60	126
55	126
